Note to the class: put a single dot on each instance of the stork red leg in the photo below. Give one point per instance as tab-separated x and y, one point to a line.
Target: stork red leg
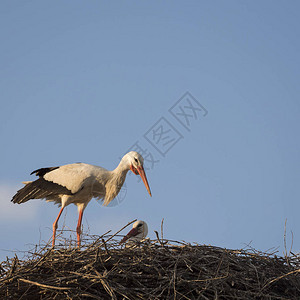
55	226
78	229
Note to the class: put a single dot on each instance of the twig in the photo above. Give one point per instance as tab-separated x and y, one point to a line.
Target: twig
105	246
162	229
160	241
98	239
280	277
119	231
45	285
284	241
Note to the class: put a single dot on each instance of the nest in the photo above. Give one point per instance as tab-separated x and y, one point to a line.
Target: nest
152	269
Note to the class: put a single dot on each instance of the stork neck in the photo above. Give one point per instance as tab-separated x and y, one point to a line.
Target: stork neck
122	168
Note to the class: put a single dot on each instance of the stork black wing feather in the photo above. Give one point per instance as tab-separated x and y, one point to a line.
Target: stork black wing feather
41	172
39	189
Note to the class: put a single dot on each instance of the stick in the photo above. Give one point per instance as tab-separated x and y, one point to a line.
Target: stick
45	285
280	277
162	229
120	230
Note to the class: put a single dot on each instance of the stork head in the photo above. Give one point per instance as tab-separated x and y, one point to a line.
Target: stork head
138	232
136	162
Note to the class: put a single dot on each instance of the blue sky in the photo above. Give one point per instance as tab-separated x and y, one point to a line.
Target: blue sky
83	81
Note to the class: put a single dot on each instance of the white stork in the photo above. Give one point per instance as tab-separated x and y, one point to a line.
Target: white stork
78	183
138	232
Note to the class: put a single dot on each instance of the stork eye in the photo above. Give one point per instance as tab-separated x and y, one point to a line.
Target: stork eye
135	159
140	225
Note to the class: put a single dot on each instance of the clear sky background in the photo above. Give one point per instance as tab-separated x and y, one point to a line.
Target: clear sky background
83	81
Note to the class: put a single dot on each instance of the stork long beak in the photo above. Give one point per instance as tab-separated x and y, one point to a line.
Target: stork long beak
144	178
131	233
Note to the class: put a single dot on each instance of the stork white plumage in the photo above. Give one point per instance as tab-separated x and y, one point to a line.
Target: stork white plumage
78	183
138	232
